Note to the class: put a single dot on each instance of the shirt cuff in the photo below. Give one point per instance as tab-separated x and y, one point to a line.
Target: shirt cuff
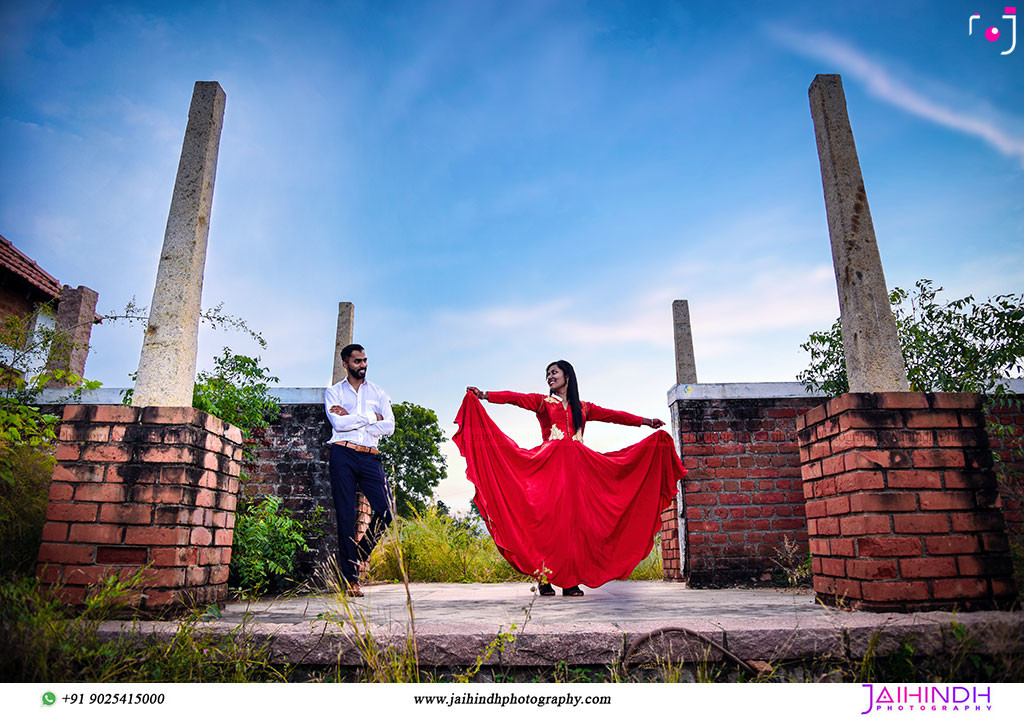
371	417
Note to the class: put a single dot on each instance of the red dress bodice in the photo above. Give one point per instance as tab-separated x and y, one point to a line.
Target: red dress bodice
555	418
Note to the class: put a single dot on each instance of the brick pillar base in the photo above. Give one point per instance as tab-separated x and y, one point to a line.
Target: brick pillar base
902	505
138	487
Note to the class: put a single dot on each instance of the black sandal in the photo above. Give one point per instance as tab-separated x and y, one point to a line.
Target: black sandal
574	591
546	589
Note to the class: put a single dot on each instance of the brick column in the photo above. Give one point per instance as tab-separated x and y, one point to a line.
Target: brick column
136	487
902	504
76	312
671	568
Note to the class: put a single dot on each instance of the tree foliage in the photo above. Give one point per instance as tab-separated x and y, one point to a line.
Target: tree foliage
959	345
412	457
237	391
26	343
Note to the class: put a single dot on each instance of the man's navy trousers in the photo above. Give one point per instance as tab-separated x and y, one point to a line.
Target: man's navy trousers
351	469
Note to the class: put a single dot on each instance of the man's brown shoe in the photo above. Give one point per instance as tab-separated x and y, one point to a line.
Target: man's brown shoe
354	590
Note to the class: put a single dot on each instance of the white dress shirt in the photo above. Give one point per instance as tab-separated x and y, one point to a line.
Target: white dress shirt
361	424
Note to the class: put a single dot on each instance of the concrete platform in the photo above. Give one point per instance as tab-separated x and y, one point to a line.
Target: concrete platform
455	623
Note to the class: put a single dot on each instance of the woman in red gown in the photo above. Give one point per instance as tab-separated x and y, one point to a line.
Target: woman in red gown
562	512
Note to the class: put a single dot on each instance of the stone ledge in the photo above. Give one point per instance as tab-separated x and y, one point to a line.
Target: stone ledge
772	639
679	392
766	389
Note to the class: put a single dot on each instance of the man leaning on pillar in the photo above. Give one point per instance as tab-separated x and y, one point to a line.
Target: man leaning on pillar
359	413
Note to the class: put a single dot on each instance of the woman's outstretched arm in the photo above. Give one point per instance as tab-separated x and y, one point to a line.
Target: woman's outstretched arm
607	415
529	401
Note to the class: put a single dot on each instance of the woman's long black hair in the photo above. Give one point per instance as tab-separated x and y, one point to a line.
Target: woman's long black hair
572	391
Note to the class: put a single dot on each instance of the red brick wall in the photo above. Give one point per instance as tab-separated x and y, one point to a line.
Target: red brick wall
136	487
1008	449
902	503
742	494
289	460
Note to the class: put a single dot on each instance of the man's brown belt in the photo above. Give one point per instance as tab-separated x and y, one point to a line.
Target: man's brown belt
357	447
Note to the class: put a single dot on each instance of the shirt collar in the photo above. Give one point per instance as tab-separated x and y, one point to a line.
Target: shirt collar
366	384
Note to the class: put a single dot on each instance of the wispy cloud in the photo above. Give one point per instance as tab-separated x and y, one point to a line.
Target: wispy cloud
881	82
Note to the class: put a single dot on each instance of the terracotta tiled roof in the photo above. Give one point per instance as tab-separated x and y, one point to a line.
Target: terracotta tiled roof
15	261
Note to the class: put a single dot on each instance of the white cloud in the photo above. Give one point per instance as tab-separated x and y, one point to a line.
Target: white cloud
881	82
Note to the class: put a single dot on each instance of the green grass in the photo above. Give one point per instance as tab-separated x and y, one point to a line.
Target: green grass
47	641
437	548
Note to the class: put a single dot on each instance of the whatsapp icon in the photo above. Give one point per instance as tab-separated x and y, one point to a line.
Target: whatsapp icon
49	698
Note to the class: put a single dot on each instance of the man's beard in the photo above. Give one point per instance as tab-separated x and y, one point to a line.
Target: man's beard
359	373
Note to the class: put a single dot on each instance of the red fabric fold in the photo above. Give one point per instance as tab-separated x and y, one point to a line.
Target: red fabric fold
580	516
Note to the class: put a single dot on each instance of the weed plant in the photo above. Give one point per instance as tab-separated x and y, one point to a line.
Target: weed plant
268	541
794	566
48	641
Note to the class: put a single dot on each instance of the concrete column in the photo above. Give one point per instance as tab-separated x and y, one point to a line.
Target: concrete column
76	312
686	367
167	365
346	326
874	362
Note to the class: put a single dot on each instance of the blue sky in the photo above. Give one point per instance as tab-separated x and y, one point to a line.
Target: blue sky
496	185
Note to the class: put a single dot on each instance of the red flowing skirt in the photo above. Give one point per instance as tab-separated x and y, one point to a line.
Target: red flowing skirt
562	509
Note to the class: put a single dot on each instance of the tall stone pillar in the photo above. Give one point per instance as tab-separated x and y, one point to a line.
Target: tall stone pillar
873	358
153	487
76	312
167	365
673	520
346	326
686	367
901	501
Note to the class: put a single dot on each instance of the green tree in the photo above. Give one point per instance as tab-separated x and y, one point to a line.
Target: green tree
25	344
412	457
959	345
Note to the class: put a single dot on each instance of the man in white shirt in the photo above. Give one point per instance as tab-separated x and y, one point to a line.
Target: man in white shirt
360	413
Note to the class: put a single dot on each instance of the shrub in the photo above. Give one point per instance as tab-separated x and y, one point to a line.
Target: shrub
441	549
237	391
27	434
23	504
960	345
268	540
